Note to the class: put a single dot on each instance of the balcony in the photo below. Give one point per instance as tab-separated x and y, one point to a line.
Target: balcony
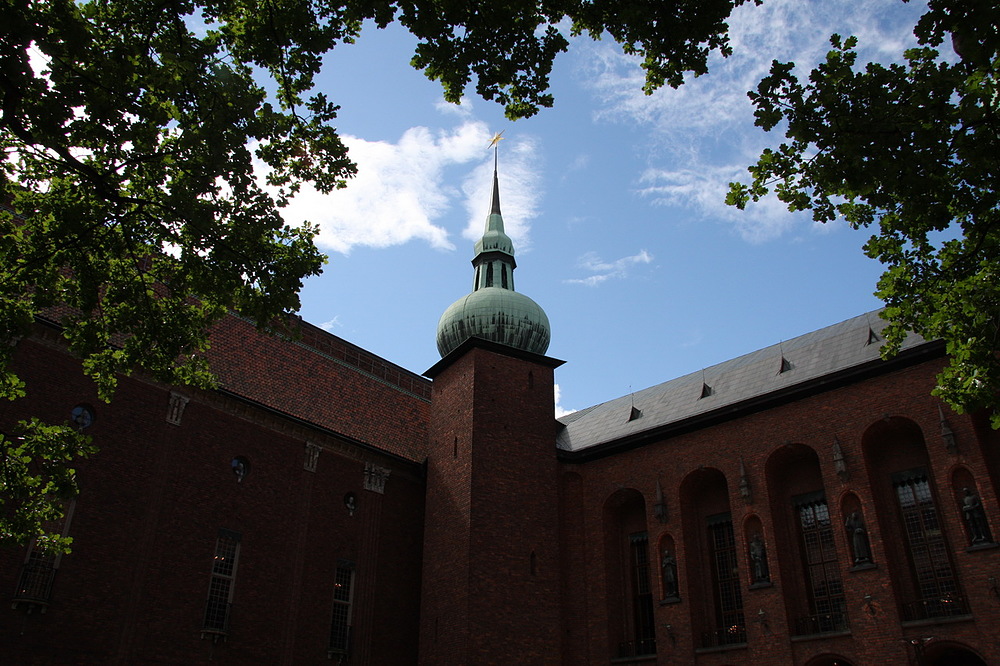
821	623
932	609
732	635
217	616
34	588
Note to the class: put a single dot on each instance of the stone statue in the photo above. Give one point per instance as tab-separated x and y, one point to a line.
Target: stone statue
758	556
669	566
859	538
975	516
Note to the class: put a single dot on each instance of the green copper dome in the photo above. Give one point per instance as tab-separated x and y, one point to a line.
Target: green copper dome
494	311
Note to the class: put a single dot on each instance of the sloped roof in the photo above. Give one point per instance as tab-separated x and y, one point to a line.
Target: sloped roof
781	367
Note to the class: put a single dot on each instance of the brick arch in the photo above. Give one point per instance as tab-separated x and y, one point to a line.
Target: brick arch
704	501
894	442
808	539
912	520
627	574
951	653
829	659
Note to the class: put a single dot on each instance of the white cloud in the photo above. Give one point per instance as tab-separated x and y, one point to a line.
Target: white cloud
399	192
607	270
560	410
463	109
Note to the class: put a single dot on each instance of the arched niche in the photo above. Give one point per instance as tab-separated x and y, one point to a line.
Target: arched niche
669	570
631	629
809	560
757	554
912	526
856	526
968	500
712	560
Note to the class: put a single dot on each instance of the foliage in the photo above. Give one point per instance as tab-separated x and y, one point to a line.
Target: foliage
132	134
36	479
913	148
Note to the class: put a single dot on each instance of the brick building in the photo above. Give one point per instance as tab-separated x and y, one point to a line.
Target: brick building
804	504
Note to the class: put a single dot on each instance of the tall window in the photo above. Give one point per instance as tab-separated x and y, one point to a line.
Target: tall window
937	589
220	588
642	595
822	571
343	595
730	625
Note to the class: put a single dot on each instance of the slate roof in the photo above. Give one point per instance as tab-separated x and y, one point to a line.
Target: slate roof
849	344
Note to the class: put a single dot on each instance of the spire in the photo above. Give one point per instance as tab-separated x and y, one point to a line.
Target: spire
494	310
494	260
495	210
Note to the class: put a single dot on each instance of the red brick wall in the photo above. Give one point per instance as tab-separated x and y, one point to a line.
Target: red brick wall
845	413
145	525
492	513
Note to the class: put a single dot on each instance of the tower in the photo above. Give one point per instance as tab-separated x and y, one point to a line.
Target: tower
491	551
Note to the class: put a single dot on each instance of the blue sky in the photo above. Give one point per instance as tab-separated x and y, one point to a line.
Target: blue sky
614	200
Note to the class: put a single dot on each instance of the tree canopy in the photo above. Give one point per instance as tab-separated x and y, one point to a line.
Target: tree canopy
132	209
912	149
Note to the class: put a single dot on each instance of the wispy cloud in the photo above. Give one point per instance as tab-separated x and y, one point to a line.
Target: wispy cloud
331	324
707	124
400	192
607	270
520	178
703	191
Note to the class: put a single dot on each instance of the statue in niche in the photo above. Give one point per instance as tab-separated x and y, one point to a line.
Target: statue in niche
859	538
669	566
975	516
758	557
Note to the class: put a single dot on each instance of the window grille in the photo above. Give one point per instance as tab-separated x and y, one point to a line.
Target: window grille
220	590
730	624
937	589
642	595
822	571
34	587
343	597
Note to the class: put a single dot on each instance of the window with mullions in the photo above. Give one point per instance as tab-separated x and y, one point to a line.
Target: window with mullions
222	584
730	624
34	587
343	596
642	596
937	589
822	571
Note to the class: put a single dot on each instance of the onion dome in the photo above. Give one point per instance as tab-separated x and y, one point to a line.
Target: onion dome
494	311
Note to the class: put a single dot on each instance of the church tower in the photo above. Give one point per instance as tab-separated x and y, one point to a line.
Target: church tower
491	547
